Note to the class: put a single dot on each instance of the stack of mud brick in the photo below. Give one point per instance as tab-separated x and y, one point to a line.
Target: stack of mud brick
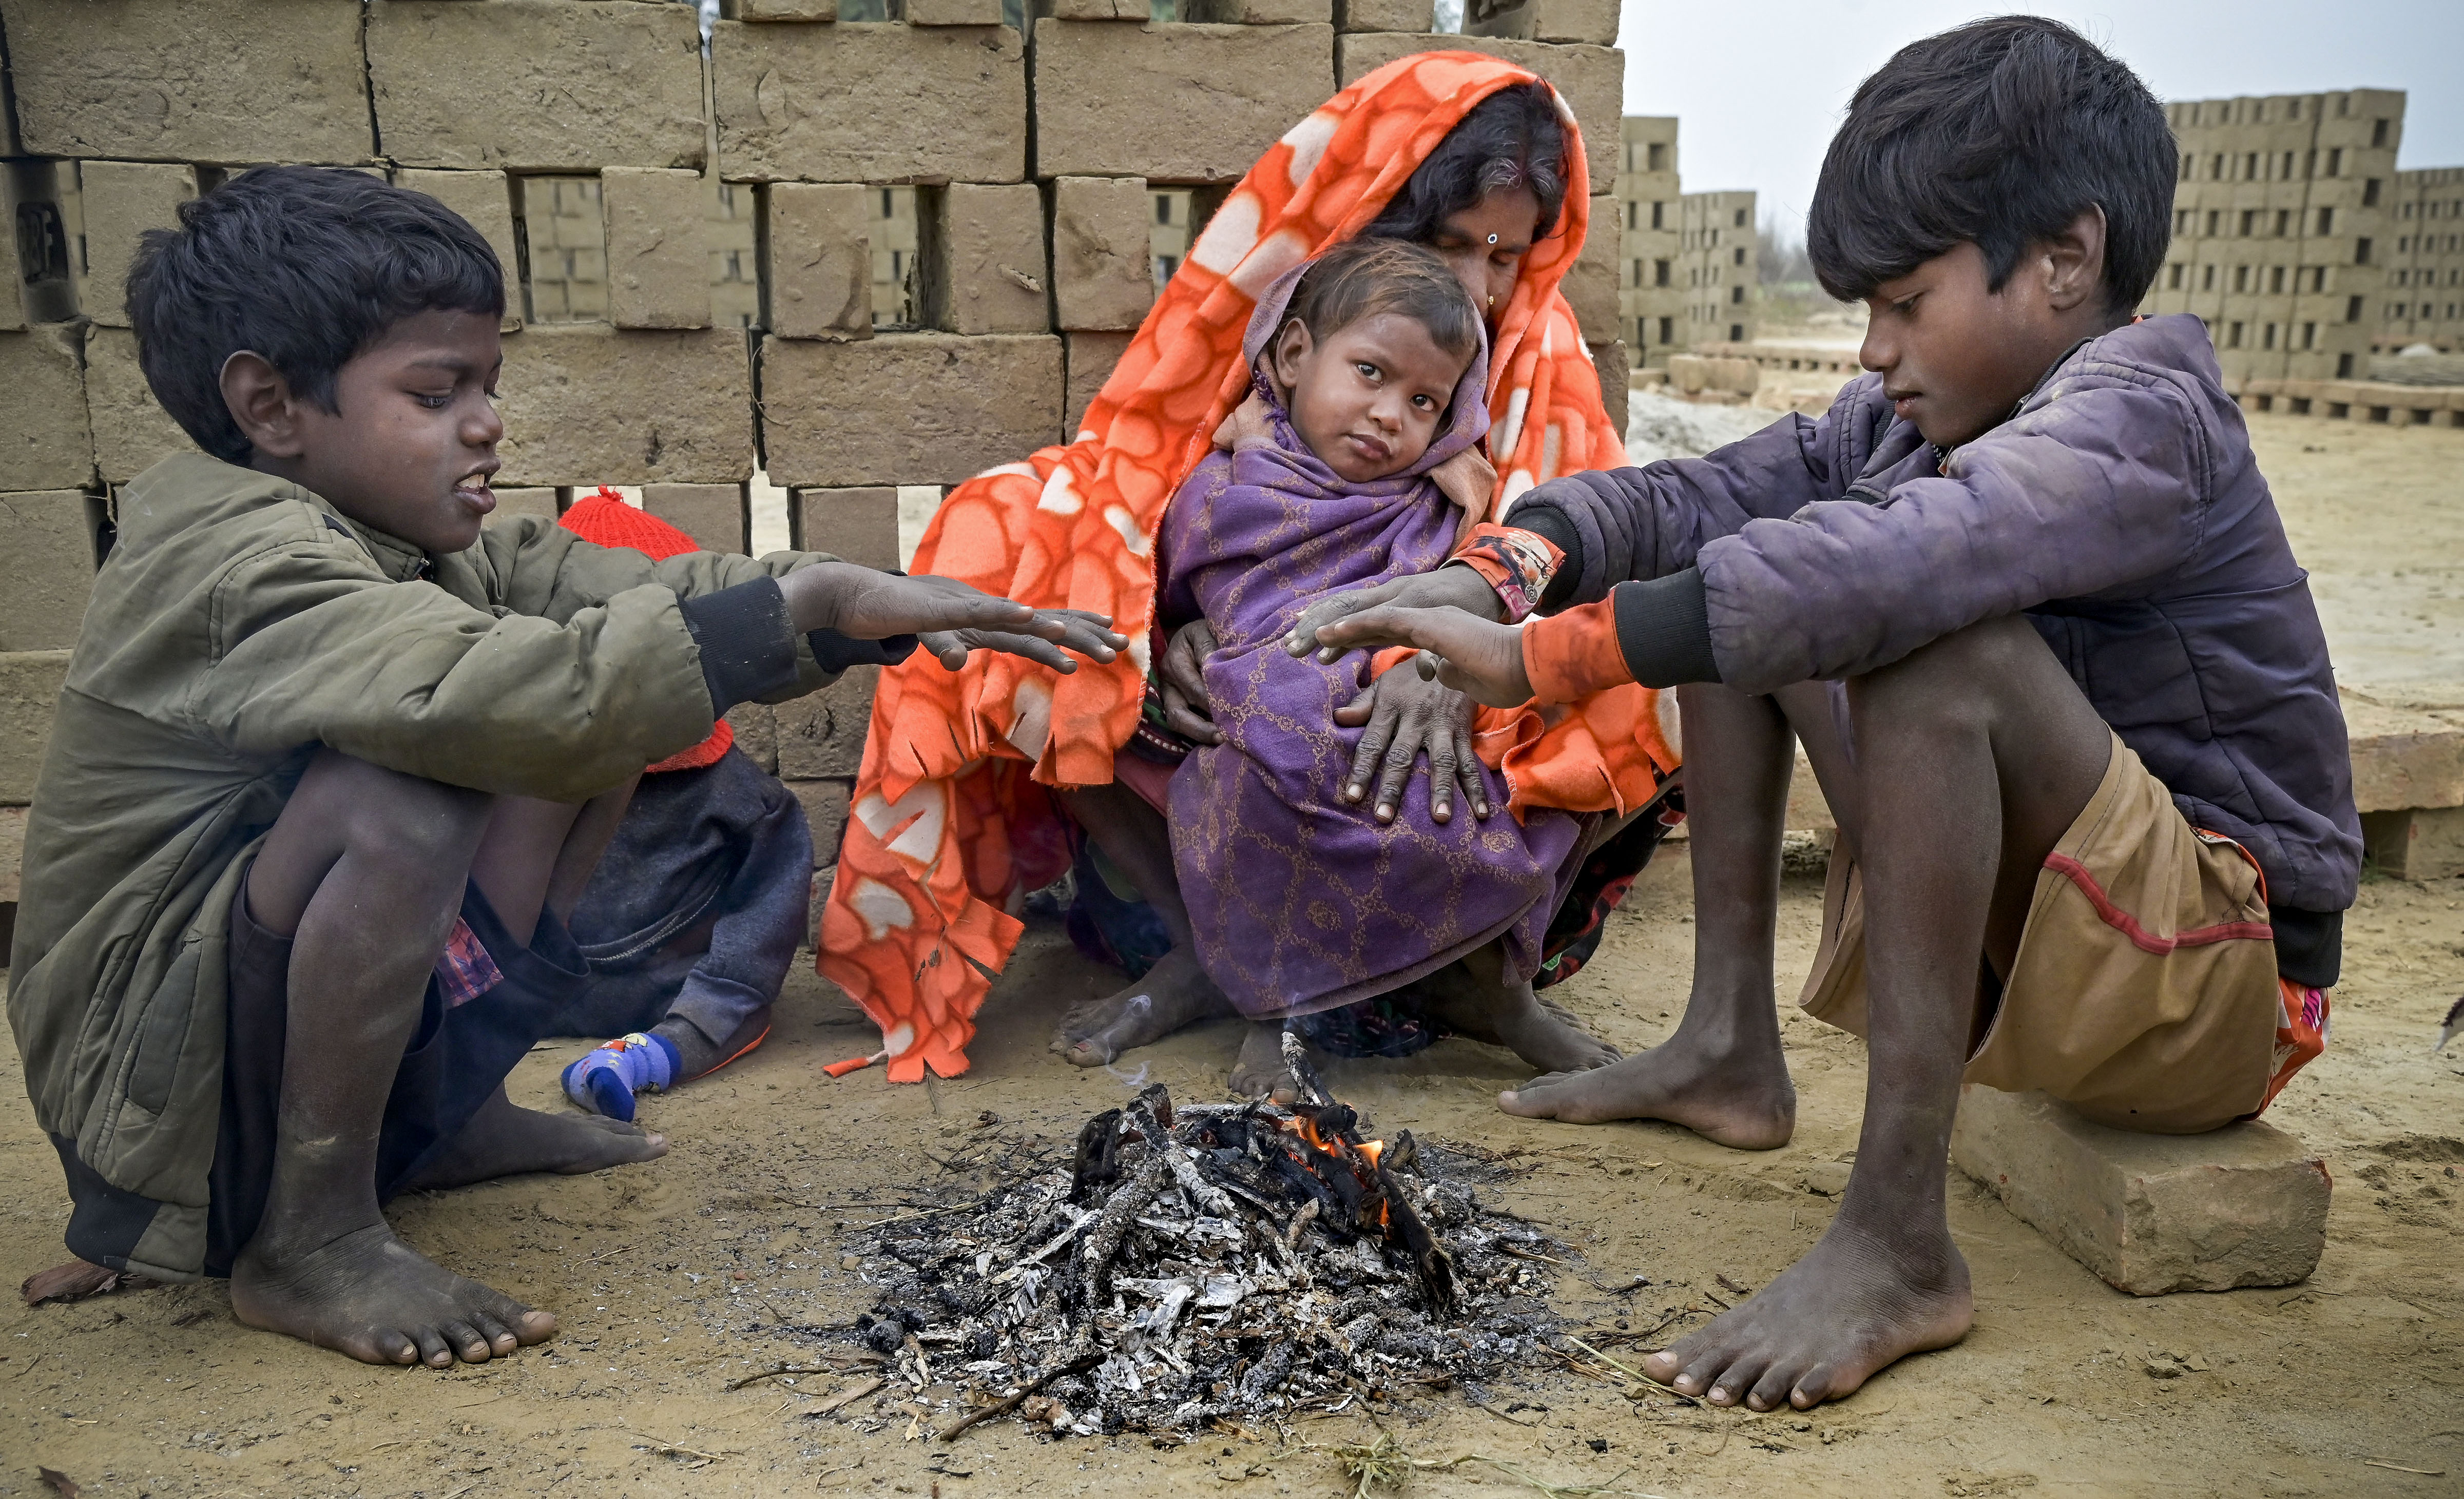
1651	291
2280	231
639	356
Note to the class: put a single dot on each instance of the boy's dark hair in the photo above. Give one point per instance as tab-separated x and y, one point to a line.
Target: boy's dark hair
1513	138
2002	132
307	266
1363	277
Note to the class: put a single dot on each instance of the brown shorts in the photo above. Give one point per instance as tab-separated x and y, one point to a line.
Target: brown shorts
2144	993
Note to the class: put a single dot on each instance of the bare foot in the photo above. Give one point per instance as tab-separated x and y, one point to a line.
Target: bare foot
1854	1305
368	1294
1258	1073
1736	1096
505	1139
1510	1015
1174	993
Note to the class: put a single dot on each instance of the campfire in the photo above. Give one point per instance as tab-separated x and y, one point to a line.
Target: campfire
1211	1263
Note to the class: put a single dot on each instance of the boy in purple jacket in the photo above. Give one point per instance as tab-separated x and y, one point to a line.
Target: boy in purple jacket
2026	600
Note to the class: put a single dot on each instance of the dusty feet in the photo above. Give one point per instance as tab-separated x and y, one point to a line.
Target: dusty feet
1258	1073
368	1294
1854	1305
504	1140
1174	993
1510	1015
1735	1096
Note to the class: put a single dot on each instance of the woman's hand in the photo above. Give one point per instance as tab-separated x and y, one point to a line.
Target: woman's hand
1409	715
1473	656
1449	587
1183	684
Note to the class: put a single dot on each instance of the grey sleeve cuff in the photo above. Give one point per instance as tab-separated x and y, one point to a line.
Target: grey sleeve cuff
1664	629
747	642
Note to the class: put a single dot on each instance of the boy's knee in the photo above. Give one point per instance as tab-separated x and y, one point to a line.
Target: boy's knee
1955	679
389	814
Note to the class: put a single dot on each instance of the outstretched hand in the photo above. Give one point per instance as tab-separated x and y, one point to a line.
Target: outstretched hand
1449	587
1081	631
1474	656
952	618
1407	716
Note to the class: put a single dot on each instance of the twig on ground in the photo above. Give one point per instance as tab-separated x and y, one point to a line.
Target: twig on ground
664	1446
846	1397
783	1370
1002	1408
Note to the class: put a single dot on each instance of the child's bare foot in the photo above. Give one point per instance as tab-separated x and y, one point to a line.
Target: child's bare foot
1258	1073
505	1139
1174	993
1854	1305
1510	1015
1728	1096
366	1293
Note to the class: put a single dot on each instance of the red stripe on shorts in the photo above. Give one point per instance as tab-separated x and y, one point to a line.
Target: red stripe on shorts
2127	925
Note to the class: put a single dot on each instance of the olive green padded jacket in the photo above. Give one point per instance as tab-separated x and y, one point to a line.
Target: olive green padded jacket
239	624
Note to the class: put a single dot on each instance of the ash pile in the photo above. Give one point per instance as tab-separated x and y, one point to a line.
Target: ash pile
1213	1263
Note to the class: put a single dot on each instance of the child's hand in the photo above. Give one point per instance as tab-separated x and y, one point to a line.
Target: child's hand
1080	631
1449	587
953	617
1476	657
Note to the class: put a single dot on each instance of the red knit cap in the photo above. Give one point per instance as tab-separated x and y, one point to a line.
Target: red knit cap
605	519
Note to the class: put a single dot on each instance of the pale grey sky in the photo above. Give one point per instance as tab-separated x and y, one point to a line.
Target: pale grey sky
1759	88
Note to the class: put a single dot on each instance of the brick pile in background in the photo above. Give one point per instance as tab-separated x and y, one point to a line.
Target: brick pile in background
1034	156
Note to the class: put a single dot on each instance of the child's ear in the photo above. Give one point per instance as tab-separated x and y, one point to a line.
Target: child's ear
261	401
2075	260
1287	354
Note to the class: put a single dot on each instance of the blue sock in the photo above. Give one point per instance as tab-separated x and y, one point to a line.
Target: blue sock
606	1077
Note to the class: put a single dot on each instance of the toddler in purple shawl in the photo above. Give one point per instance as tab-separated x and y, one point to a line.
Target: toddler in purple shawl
1371	367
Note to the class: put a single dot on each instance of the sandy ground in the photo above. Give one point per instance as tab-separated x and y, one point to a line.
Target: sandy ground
674	1278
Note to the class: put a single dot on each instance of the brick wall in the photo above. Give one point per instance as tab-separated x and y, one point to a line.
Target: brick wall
783	292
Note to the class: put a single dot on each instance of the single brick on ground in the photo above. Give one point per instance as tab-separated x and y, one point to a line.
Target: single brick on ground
191	80
868	102
46	567
586	403
1103	262
2242	1206
536	85
858	525
658	268
822	733
132	432
120	201
1179	103
985	269
47	443
712	515
967	404
486	202
1591	78
2415	843
1092	357
817	260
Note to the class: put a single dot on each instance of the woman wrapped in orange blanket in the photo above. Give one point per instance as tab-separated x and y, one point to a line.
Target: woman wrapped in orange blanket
974	785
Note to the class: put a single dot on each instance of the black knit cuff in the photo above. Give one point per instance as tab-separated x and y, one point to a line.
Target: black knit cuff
838	652
2309	944
747	641
1545	520
1664	629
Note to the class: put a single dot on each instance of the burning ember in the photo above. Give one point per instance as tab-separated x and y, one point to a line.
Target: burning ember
1215	1262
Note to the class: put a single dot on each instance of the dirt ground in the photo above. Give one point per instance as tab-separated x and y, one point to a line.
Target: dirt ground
675	1278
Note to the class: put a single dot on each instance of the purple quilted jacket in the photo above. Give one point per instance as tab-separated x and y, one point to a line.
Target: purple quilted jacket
2119	508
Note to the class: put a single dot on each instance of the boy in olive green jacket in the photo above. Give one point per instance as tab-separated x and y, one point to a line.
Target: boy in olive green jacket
332	766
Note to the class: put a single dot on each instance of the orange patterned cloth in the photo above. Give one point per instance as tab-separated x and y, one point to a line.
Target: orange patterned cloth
951	824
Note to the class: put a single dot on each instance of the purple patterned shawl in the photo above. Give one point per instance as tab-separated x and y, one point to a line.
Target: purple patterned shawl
1303	902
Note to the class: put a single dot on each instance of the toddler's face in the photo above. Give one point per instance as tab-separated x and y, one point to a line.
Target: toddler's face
1368	399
